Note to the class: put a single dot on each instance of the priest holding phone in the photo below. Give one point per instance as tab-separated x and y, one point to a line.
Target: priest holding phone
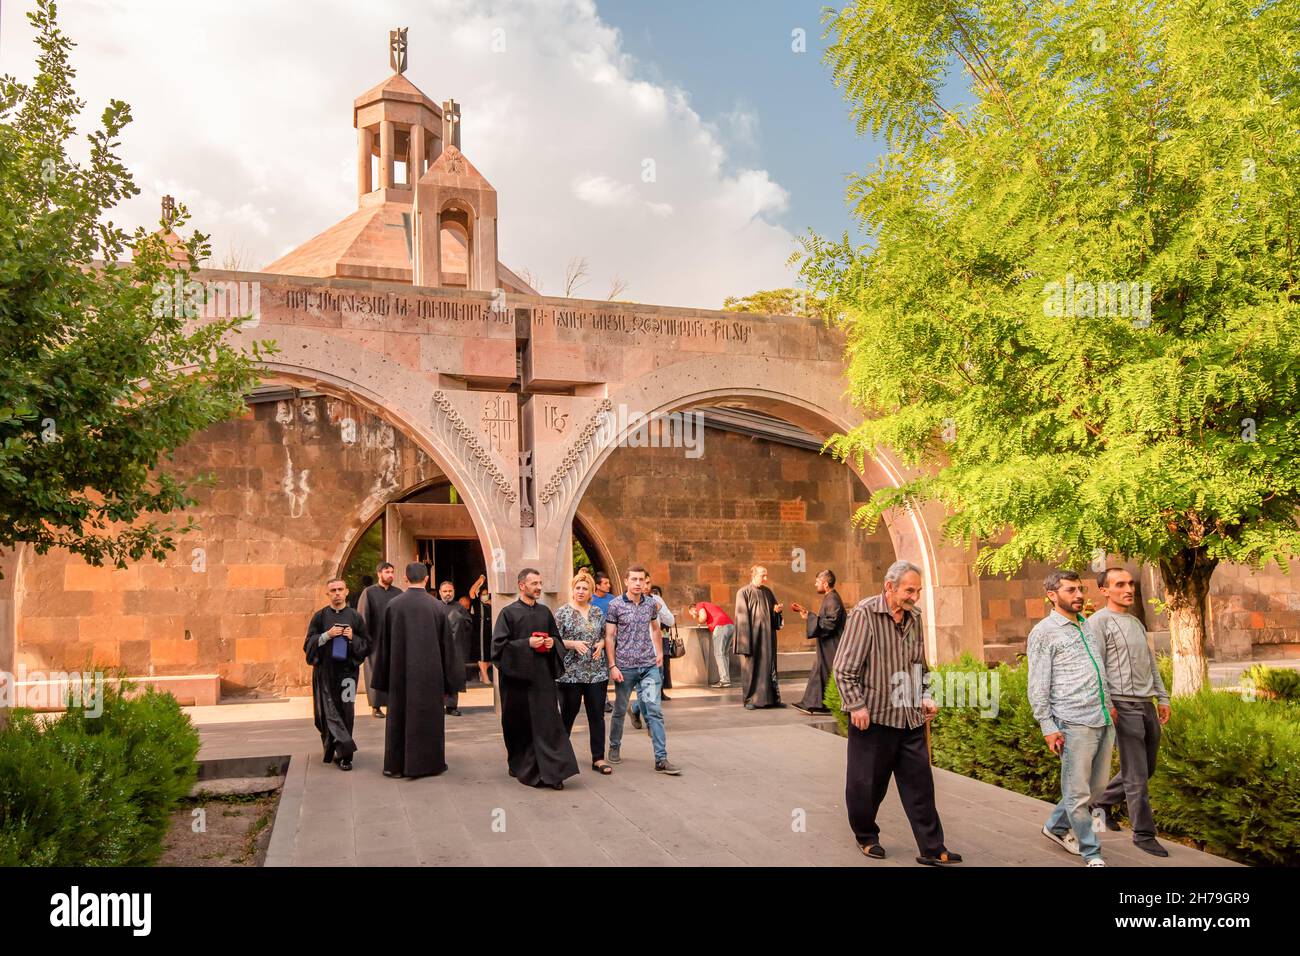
335	647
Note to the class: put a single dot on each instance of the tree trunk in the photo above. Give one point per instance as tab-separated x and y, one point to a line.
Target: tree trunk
1187	585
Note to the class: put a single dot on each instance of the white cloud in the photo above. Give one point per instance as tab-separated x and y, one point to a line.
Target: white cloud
244	113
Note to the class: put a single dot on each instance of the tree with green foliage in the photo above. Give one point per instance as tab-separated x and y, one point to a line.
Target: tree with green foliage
99	383
776	302
1078	306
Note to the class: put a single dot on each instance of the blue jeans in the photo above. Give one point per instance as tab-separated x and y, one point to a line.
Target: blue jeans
647	681
1085	769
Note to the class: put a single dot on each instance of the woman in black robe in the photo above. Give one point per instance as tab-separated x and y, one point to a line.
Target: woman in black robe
334	682
538	751
414	665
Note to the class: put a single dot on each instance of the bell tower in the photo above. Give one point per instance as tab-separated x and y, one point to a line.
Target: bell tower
399	132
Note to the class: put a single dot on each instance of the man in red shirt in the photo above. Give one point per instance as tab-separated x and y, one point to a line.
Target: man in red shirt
723	629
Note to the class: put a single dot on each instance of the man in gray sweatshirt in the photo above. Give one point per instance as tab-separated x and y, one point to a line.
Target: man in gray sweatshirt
1134	679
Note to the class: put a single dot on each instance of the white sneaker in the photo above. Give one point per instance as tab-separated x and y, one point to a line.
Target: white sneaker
1096	861
1069	842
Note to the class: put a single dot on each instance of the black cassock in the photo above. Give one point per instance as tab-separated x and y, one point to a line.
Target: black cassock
825	627
462	635
538	751
413	665
456	669
756	627
334	683
371	608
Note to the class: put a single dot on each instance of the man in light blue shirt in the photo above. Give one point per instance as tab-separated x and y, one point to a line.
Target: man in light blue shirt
1070	698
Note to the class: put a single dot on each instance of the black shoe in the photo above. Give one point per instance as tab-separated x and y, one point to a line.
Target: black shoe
943	858
636	720
453	711
609	707
873	850
345	764
376	712
778	704
803	710
664	697
1151	846
329	757
663	766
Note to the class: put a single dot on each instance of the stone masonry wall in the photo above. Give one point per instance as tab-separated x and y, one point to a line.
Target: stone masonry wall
294	480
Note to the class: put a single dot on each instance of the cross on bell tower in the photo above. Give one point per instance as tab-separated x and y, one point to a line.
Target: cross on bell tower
397	49
450	123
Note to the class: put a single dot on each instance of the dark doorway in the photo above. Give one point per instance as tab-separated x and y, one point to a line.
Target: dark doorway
458	561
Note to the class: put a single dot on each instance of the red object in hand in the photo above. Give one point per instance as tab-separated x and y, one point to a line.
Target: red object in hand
541	648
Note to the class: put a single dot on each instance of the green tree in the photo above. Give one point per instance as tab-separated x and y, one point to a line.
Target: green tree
105	371
1077	313
775	302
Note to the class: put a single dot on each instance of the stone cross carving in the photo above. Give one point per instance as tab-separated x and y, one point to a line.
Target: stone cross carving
168	211
451	124
397	49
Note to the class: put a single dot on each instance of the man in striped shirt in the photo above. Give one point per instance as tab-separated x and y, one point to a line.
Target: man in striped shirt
880	671
1070	699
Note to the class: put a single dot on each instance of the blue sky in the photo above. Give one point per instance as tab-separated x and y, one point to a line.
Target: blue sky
735	55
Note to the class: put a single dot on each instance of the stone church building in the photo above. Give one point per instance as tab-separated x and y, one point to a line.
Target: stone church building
425	397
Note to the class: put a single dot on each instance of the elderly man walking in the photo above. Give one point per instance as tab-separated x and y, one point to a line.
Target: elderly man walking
1070	697
883	640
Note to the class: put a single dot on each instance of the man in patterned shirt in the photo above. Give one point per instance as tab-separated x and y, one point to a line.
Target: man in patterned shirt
634	648
882	649
1070	698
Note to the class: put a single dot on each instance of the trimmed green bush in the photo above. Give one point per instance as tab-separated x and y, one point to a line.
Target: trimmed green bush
1228	775
1280	683
94	791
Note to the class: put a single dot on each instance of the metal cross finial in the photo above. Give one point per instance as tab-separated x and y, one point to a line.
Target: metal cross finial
397	49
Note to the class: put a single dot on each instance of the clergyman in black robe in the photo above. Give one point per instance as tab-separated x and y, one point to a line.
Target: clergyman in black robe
456	671
538	751
758	618
462	639
334	682
371	608
824	627
412	665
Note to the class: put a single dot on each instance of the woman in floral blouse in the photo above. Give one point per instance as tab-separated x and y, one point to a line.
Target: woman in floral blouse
585	681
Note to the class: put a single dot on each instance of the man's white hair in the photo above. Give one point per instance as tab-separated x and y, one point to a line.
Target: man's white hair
898	569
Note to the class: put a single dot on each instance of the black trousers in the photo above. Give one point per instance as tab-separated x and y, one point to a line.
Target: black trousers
874	755
574	697
1138	731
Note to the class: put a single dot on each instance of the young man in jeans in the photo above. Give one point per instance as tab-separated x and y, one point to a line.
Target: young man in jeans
634	647
1070	697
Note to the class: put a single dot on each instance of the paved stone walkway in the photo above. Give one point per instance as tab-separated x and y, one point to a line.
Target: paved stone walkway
758	788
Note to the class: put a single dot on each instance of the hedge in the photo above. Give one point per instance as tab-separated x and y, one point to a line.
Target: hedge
94	790
1227	777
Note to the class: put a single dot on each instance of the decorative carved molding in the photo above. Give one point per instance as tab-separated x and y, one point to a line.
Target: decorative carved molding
460	437
557	491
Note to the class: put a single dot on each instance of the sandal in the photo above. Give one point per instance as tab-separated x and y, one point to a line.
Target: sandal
601	767
945	858
873	850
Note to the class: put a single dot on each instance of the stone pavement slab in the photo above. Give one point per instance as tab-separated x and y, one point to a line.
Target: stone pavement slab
759	788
